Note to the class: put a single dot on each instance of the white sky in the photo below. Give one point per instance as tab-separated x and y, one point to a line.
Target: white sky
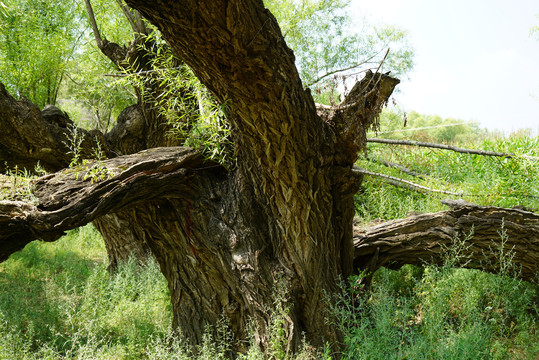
474	60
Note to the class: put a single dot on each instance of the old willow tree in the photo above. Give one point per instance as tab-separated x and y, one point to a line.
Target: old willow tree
225	238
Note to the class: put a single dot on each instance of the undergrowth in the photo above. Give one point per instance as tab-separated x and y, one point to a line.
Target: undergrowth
441	312
57	301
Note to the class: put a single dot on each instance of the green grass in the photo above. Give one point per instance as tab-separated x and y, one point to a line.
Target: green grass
57	301
441	313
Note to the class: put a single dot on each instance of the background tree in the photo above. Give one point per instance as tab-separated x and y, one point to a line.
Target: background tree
424	127
36	69
330	53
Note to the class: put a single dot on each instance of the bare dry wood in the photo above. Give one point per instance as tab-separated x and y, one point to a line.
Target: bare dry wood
402	183
450	147
428	238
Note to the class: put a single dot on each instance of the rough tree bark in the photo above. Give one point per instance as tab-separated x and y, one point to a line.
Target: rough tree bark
223	239
292	191
422	239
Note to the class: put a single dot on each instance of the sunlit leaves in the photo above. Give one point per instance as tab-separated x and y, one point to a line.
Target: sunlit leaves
173	91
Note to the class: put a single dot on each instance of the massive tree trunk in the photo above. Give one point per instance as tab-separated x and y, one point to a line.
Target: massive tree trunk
286	211
283	216
281	221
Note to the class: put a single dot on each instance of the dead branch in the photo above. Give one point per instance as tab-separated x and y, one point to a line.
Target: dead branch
341	70
399	167
403	183
450	147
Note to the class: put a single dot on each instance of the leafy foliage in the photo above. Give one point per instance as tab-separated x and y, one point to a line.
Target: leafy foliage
171	88
57	300
440	312
93	97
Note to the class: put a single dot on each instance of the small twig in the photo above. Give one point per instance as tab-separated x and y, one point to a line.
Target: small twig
340	70
382	62
70	78
449	147
258	32
372	78
128	15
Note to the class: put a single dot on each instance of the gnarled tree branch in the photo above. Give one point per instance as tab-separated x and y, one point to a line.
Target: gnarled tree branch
76	196
426	238
29	136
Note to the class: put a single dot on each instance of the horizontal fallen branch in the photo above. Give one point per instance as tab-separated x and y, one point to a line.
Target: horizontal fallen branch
403	183
395	181
450	147
399	167
428	238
